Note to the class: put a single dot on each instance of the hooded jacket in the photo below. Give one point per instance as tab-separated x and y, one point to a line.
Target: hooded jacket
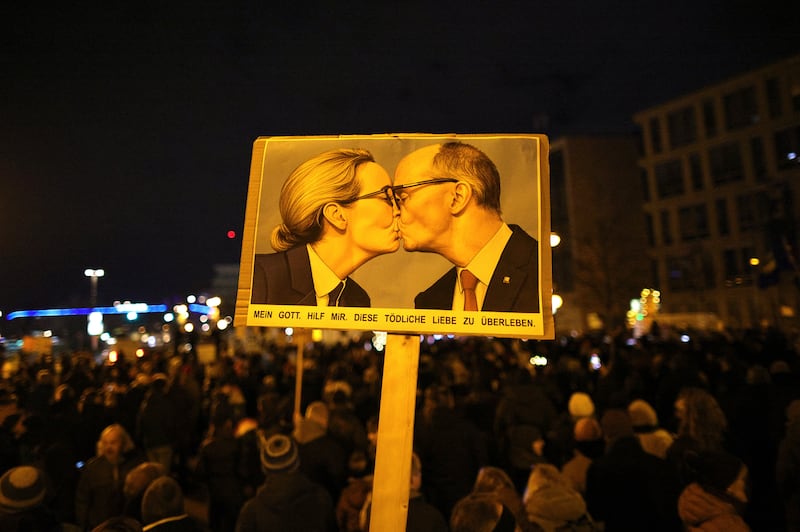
703	511
288	502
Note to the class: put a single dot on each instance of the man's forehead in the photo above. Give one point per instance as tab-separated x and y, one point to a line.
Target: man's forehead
415	164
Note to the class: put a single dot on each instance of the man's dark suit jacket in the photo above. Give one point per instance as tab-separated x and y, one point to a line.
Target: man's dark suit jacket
285	278
514	287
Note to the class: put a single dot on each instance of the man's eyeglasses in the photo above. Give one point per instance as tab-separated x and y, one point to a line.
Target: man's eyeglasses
401	196
386	194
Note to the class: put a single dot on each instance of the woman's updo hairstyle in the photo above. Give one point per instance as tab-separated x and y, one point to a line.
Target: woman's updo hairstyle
328	177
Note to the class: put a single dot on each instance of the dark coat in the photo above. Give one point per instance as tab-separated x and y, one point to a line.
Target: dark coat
514	286
451	450
156	423
288	502
423	516
99	494
787	470
218	463
322	459
701	510
630	489
38	519
285	279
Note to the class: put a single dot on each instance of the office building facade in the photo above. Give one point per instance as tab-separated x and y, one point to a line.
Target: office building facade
720	173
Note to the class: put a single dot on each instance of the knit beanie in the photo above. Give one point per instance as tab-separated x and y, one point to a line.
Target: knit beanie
278	453
163	498
642	414
616	424
21	488
587	429
580	405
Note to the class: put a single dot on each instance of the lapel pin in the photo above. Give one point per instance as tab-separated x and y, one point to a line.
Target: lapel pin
506	280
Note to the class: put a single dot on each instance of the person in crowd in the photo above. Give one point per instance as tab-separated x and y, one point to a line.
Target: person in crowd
100	494
421	515
701	427
183	393
344	425
131	401
449	199
652	437
755	426
524	414
589	445
57	457
10	415
94	418
217	466
274	417
355	493
156	423
136	482
627	488
163	508
22	501
716	499
372	439
480	512
451	449
41	394
560	438
551	503
494	481
322	459
287	500
338	213
80	376
787	467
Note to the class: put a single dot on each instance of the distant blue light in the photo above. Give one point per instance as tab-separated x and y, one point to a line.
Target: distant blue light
200	309
142	308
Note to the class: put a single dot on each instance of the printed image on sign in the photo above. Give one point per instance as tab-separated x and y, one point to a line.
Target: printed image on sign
407	233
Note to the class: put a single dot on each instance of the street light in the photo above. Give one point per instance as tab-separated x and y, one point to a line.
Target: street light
94	275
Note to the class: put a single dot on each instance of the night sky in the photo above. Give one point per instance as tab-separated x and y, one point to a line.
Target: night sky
126	132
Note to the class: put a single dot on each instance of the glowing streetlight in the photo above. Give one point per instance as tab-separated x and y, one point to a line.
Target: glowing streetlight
557	302
94	275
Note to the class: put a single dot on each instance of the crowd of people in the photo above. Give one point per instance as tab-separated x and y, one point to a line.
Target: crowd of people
664	434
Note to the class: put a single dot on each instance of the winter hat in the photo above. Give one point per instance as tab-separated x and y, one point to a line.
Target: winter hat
587	429
715	469
642	414
162	499
616	424
580	405
21	488
278	453
319	413
141	476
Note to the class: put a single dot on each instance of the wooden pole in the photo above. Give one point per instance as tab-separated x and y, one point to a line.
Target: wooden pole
395	435
301	337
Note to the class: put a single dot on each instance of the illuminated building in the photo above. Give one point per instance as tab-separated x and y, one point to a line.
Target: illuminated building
720	168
